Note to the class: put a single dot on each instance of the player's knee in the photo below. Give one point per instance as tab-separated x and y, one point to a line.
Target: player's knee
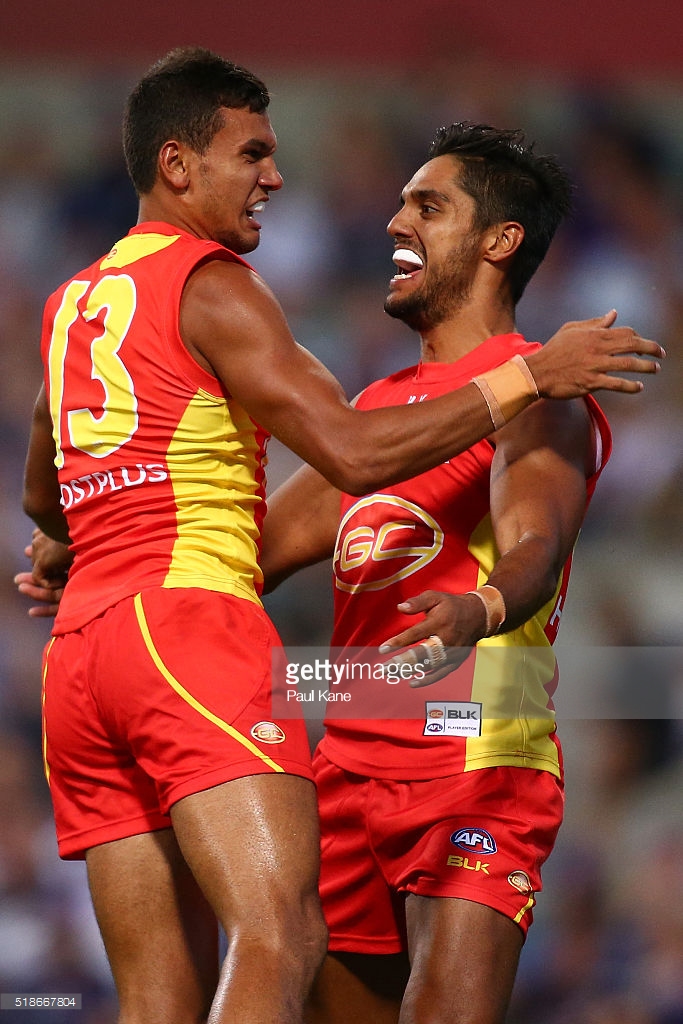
288	931
301	930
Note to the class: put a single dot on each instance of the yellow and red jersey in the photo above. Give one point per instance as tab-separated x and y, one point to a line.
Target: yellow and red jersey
434	532
161	471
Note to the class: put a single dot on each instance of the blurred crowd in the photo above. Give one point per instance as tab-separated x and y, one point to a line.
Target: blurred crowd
607	945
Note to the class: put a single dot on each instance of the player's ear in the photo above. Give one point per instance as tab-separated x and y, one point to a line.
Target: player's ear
503	240
173	165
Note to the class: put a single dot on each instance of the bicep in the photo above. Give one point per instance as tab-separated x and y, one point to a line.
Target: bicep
233	320
300	527
538	478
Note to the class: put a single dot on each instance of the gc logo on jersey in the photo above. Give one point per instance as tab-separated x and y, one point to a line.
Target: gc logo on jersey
475	840
382	539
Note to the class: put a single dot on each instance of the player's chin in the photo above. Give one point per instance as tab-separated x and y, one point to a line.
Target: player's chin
243	240
251	238
400	305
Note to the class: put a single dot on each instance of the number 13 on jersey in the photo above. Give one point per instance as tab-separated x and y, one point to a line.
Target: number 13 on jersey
101	432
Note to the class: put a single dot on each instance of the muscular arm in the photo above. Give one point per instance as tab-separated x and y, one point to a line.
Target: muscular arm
232	324
300	527
538	492
538	496
41	498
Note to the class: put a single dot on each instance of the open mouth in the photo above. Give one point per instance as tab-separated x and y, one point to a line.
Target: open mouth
408	262
255	208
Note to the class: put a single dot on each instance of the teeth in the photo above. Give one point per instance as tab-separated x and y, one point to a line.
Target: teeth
407	260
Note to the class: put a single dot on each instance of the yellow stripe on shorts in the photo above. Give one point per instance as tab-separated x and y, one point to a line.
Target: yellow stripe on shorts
46	766
186	696
527	906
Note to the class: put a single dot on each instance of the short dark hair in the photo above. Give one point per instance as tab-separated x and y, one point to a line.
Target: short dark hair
181	97
509	181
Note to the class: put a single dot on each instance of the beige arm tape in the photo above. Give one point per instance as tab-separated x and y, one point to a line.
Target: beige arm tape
493	602
507	389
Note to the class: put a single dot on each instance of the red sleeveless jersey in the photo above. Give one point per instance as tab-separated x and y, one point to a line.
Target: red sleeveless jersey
434	532
160	470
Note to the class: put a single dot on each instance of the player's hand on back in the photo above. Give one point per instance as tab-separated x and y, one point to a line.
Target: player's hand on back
587	355
45	584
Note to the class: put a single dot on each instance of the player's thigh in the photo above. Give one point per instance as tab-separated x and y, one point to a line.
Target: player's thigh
160	934
464	958
253	846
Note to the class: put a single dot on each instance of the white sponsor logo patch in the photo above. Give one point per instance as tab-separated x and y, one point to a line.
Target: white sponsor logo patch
452	718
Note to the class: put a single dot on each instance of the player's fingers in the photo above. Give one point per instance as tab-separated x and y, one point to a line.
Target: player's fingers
35	591
620	384
413	635
606	381
633	364
420	603
455	656
604	320
624	341
43	611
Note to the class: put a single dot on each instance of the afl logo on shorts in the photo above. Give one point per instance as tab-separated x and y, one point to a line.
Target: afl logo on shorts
474	840
267	732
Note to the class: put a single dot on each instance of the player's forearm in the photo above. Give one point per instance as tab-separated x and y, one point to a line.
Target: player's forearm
423	436
300	527
527	577
41	499
368	450
50	520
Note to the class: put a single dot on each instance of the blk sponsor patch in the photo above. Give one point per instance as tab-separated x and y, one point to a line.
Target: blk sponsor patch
452	718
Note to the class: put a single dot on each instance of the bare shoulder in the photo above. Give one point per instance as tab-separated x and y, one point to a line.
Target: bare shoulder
222	283
225	303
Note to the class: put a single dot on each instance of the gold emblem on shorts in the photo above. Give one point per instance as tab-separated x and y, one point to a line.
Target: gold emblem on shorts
267	732
520	881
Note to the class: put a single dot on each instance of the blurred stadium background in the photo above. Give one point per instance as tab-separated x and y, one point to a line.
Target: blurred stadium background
357	92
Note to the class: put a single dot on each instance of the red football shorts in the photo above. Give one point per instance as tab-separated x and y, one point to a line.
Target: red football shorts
166	694
480	836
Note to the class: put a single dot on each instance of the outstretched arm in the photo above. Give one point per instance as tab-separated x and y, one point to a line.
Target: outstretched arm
233	325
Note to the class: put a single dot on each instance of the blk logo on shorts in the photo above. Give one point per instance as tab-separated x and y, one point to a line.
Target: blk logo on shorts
474	840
